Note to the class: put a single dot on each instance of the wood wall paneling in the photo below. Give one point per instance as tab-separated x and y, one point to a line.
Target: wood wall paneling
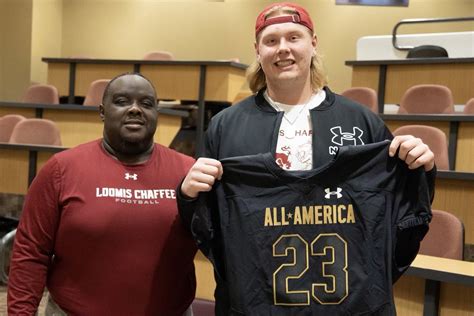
174	82
458	77
168	128
13	171
205	277
76	127
365	76
465	147
456	300
28	113
409	295
457	197
58	76
224	83
87	73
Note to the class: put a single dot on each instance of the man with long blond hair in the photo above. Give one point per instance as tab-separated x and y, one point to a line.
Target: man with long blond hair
304	184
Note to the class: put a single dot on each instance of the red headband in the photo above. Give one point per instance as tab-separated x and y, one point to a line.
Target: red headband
300	17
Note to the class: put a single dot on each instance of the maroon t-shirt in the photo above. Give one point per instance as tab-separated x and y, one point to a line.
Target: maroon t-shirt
118	243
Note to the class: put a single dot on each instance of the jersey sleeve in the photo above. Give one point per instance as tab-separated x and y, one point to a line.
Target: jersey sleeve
187	206
202	226
413	205
34	241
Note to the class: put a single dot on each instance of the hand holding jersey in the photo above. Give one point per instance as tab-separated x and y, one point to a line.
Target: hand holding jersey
205	171
201	177
413	151
327	241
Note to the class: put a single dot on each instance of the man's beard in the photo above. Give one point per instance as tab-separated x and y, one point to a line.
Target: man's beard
135	147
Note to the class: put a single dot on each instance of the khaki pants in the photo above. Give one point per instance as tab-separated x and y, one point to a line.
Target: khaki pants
52	309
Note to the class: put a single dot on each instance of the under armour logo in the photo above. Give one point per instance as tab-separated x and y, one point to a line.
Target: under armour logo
337	193
354	138
129	176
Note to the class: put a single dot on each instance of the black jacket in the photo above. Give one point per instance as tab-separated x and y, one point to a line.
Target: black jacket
252	127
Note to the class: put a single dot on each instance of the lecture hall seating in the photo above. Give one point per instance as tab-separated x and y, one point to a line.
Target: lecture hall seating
363	95
42	94
95	92
469	107
445	238
158	55
36	131
7	124
427	99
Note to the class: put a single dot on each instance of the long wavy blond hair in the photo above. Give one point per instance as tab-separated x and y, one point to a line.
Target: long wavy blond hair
256	77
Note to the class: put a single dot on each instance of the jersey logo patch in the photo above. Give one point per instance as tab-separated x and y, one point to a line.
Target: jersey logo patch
337	193
346	138
129	176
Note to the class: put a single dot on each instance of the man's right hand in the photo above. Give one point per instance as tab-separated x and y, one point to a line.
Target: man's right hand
201	177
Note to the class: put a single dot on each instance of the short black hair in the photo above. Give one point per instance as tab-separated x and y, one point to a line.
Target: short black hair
107	87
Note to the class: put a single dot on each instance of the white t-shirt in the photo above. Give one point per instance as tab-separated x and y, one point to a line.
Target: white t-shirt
295	144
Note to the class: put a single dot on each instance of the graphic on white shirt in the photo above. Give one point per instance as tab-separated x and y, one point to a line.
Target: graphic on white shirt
282	157
294	149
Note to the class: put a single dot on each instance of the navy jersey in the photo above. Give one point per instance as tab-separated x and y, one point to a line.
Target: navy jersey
319	242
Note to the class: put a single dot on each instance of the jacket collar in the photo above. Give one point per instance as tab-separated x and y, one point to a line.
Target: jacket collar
263	105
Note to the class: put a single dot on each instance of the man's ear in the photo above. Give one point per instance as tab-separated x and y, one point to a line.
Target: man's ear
314	41
101	112
257	53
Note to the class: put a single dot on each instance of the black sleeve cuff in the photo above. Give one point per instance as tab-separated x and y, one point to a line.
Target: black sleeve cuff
186	206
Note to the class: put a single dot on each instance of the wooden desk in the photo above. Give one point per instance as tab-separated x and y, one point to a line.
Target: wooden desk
459	130
455	194
206	283
449	289
19	164
391	78
436	286
443	270
183	80
79	124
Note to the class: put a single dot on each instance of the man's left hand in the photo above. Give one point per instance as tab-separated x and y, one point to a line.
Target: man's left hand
413	151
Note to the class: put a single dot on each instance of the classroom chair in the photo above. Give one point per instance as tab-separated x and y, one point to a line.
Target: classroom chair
158	55
445	237
427	99
364	96
96	92
36	131
7	123
41	94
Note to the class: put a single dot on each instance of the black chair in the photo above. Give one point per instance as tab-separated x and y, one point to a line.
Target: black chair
427	51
